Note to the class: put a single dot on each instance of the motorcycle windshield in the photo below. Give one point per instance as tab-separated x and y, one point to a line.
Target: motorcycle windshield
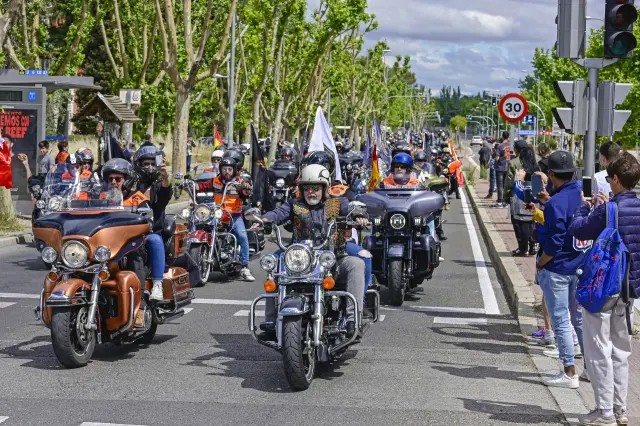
68	188
415	201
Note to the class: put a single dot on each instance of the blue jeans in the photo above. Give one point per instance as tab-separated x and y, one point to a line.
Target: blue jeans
354	250
241	235
492	181
188	163
560	296
156	256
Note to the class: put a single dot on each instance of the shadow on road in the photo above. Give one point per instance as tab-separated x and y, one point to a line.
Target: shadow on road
514	413
33	264
468	371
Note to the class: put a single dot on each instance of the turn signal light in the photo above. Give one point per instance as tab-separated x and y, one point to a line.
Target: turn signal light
52	276
328	283
103	275
270	286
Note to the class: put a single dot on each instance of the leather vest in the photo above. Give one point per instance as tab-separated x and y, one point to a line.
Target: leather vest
304	227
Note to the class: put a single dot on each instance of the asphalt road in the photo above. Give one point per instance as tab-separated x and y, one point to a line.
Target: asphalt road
452	355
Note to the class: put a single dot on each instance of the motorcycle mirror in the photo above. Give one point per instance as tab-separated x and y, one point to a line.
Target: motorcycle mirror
195	170
253	214
354	204
187	176
178	176
145	211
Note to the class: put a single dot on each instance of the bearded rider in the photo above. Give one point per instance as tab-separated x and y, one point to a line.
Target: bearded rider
401	176
308	216
233	204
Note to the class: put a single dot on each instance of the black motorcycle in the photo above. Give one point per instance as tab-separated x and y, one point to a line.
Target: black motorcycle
403	241
351	167
282	181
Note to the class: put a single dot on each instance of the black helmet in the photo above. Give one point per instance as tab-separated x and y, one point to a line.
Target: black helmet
122	166
323	158
73	160
85	155
420	156
401	147
346	147
147	174
228	161
236	155
288	152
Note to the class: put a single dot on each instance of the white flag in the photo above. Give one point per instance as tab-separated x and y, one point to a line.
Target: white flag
322	139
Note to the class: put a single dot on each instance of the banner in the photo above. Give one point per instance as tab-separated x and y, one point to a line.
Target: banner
374	181
218	140
322	140
259	175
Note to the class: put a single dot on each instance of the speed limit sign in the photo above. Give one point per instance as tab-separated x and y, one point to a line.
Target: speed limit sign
513	107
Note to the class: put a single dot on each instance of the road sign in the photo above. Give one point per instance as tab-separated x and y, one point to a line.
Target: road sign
527	132
513	107
469	117
529	120
136	96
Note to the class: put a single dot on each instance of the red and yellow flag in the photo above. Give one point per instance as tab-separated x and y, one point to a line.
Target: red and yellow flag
218	140
374	181
458	172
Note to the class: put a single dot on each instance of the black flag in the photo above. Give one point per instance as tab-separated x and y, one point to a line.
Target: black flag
259	175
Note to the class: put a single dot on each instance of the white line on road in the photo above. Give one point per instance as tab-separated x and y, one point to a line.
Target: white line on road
488	295
222	302
104	424
460	321
245	313
187	310
382	317
19	296
434	309
6	304
3	419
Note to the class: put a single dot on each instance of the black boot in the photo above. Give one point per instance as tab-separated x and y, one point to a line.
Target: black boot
441	236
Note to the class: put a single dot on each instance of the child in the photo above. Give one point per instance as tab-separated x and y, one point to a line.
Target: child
46	162
63	152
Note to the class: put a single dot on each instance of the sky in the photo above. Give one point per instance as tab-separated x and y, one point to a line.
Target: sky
475	44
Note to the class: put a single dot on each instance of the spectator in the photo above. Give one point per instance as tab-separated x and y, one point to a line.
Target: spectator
125	151
606	339
558	263
46	162
543	153
609	151
492	171
502	157
517	207
484	154
147	141
521	218
63	152
190	145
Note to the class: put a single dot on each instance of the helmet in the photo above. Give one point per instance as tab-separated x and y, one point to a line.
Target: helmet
236	155
401	147
122	166
402	159
73	160
147	174
447	150
242	148
315	174
288	151
228	161
346	148
218	153
420	156
434	151
323	158
338	144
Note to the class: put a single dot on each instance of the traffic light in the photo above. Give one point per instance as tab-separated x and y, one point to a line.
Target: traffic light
611	95
572	29
619	41
494	101
575	95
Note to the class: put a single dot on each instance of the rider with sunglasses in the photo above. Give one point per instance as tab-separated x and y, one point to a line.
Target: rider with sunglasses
216	157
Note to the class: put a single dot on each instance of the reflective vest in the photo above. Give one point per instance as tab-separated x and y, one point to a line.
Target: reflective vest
86	174
233	201
390	181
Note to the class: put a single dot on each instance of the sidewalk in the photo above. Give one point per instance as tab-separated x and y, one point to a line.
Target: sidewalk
518	277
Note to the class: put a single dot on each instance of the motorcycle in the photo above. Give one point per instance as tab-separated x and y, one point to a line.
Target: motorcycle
350	165
282	181
88	297
311	314
403	243
211	242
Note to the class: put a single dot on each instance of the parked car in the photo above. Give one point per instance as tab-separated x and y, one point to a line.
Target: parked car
476	140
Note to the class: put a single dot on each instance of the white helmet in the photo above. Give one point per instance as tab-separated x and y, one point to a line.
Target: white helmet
218	153
315	174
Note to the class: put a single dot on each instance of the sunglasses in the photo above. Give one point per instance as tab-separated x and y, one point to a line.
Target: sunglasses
215	160
227	169
312	188
116	179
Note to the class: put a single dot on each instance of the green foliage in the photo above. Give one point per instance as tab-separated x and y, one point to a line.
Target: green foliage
457	123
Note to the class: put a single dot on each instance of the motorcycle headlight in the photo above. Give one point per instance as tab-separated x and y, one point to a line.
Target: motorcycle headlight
397	221
102	254
417	221
49	254
218	213
185	213
327	259
202	213
279	182
41	204
297	258
35	188
55	203
74	254
268	262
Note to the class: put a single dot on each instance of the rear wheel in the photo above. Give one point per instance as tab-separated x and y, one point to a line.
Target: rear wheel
298	354
396	284
200	254
72	342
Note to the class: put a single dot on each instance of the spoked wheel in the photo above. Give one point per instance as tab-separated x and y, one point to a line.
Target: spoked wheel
73	343
200	254
298	353
396	284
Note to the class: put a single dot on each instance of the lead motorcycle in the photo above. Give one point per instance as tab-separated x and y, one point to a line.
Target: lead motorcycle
89	297
311	314
403	241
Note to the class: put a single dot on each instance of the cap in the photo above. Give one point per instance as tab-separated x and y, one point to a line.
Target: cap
520	145
561	162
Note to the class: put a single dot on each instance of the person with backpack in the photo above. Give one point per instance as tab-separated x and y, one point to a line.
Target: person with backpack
607	317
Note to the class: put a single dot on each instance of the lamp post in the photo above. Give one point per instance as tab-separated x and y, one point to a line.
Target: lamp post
232	82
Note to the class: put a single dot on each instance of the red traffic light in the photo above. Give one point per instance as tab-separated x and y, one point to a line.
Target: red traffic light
622	16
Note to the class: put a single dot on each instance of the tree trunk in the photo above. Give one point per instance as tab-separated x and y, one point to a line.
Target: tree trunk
275	134
6	206
151	123
356	138
181	127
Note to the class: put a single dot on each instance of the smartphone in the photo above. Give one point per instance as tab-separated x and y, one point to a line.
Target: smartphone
586	187
527	196
159	160
536	185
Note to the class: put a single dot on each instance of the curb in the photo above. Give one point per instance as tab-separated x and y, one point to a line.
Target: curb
522	301
16	239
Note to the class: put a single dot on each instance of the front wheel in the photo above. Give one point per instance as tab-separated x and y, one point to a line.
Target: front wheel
72	342
200	254
396	284
298	353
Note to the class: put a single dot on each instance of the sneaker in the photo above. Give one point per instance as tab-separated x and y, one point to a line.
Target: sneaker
446	206
584	376
552	353
519	253
561	380
245	274
621	415
496	206
548	341
596	418
533	250
488	197
156	292
538	334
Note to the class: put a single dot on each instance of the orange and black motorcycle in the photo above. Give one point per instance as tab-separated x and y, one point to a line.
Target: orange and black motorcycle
88	298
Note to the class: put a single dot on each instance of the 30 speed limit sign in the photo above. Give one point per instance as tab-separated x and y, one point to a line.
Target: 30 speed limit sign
513	107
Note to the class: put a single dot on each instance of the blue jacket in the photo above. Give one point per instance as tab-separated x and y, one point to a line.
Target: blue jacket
588	226
557	240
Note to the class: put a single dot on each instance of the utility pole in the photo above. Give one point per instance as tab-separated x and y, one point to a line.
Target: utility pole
232	84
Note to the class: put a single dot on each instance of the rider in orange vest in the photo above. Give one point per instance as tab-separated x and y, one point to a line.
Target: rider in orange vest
401	176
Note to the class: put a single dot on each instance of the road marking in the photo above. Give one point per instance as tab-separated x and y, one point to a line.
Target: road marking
3	419
245	313
105	424
435	309
460	321
223	302
187	310
381	318
6	304
19	296
488	295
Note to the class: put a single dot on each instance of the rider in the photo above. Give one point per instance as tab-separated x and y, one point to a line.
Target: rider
216	157
236	194
420	159
74	164
308	214
401	176
287	154
86	159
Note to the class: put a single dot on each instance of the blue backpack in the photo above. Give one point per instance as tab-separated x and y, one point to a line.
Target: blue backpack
603	279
